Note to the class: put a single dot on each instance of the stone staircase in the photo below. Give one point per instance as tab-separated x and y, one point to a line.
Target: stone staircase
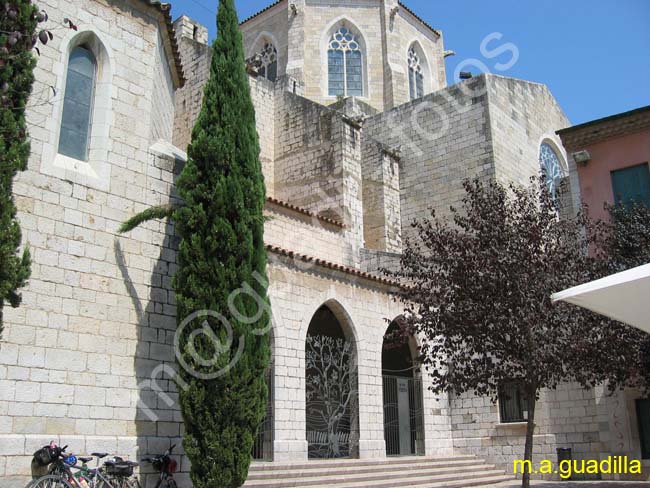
420	472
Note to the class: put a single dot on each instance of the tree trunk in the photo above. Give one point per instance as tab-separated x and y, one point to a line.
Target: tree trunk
530	430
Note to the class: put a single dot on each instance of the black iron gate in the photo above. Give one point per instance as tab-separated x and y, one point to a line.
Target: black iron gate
263	447
410	397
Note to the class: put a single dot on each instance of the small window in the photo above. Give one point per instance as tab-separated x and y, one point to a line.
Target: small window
632	185
513	404
345	64
416	75
643	418
76	121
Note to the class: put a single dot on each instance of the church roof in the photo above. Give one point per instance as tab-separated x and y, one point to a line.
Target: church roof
420	19
269	7
171	46
402	4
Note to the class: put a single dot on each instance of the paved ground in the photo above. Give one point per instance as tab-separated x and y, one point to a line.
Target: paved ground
578	484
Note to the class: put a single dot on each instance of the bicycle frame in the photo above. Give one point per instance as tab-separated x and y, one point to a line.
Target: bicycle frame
60	468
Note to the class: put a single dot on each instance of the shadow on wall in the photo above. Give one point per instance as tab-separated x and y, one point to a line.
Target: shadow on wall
158	422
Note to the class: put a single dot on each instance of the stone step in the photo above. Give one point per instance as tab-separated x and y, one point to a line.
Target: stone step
405	470
341	463
450	472
386	481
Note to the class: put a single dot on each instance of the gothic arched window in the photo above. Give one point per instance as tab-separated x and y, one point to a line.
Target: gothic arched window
345	64
416	75
269	59
76	122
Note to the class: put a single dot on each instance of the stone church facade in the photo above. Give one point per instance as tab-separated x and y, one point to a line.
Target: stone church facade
360	134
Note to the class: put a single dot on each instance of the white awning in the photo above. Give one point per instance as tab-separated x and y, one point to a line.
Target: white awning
624	297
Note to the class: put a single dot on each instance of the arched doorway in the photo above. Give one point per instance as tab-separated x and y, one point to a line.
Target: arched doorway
402	391
331	388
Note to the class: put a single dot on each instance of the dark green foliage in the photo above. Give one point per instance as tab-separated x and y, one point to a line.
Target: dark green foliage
221	227
17	26
153	213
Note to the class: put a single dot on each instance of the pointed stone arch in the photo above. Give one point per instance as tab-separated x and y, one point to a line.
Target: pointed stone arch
331	383
403	394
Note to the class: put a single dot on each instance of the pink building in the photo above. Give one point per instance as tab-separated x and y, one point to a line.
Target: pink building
611	156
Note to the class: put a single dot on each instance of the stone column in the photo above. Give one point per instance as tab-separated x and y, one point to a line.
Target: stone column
371	401
289	416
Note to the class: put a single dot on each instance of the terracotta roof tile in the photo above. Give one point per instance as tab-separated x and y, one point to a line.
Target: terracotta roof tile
304	211
333	266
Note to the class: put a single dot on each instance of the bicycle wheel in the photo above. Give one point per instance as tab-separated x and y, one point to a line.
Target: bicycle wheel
106	484
50	481
133	483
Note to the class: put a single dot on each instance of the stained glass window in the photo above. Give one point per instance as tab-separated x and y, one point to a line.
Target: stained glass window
345	64
76	121
552	169
416	75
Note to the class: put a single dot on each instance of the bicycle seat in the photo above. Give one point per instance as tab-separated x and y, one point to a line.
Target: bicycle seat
100	455
85	459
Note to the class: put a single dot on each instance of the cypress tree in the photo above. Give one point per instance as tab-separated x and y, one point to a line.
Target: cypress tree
220	223
221	226
18	21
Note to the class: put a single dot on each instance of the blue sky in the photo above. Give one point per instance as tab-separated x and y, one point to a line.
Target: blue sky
593	54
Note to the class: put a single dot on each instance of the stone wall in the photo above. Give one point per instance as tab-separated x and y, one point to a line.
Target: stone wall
404	32
263	94
523	115
589	422
98	312
443	138
295	231
195	57
162	119
318	164
382	220
487	127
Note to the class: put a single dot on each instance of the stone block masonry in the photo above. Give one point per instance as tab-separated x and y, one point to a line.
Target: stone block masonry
99	311
88	359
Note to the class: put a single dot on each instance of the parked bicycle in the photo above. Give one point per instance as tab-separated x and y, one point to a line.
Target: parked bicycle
63	470
166	466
